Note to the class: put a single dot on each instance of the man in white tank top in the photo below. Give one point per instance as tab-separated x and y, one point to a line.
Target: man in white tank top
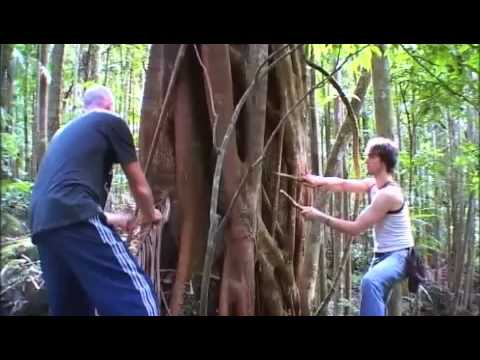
387	213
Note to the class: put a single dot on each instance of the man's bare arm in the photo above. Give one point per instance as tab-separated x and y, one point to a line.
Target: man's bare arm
141	191
336	184
374	213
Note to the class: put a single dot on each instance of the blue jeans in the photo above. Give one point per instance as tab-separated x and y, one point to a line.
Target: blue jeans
385	270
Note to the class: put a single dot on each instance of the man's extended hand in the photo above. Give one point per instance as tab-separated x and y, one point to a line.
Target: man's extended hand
157	217
314	180
125	222
310	213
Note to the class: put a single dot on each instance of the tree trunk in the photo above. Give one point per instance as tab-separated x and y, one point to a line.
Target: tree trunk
337	237
40	134
381	93
55	91
6	85
348	266
469	245
384	125
26	150
312	247
211	82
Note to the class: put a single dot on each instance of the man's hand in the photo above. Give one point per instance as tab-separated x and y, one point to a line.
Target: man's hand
125	222
157	217
310	213
311	180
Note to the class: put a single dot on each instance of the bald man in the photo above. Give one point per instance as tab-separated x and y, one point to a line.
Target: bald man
85	264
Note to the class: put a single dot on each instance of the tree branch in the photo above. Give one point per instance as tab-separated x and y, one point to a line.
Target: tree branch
210	94
351	114
440	81
292	200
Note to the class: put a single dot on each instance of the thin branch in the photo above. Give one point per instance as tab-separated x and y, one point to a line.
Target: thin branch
274	132
440	81
267	145
338	56
216	179
210	94
327	299
292	200
288	176
162	294
277	183
350	111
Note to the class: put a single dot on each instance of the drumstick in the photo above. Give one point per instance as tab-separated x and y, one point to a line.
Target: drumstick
294	203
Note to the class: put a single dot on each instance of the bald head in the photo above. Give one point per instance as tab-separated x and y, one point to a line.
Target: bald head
98	97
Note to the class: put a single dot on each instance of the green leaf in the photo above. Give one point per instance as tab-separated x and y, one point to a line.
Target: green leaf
374	49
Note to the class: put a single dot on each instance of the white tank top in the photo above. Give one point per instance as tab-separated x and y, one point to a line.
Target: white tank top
394	231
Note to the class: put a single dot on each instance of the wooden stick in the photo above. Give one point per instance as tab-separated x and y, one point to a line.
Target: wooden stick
294	203
288	176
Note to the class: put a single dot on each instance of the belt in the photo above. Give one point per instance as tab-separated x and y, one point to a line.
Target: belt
379	254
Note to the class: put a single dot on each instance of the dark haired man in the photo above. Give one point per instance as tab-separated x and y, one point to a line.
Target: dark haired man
387	213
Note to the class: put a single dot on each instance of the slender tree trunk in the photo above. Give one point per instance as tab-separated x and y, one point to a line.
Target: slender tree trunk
107	65
381	93
469	245
312	250
26	150
348	265
41	134
33	122
384	125
337	237
6	86
55	90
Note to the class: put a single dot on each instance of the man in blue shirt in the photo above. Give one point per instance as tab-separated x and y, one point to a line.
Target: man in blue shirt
85	264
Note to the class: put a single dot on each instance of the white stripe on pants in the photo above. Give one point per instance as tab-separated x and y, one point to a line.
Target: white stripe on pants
127	265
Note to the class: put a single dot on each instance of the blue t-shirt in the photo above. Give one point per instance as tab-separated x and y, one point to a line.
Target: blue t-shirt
75	173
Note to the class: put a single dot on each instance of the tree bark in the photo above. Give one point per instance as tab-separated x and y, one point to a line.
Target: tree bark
253	263
384	126
42	97
26	149
55	90
6	85
381	93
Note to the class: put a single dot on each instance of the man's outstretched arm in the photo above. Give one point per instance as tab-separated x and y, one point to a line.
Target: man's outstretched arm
374	213
336	184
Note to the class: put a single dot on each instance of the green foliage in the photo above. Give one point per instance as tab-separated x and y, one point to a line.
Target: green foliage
9	145
16	196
